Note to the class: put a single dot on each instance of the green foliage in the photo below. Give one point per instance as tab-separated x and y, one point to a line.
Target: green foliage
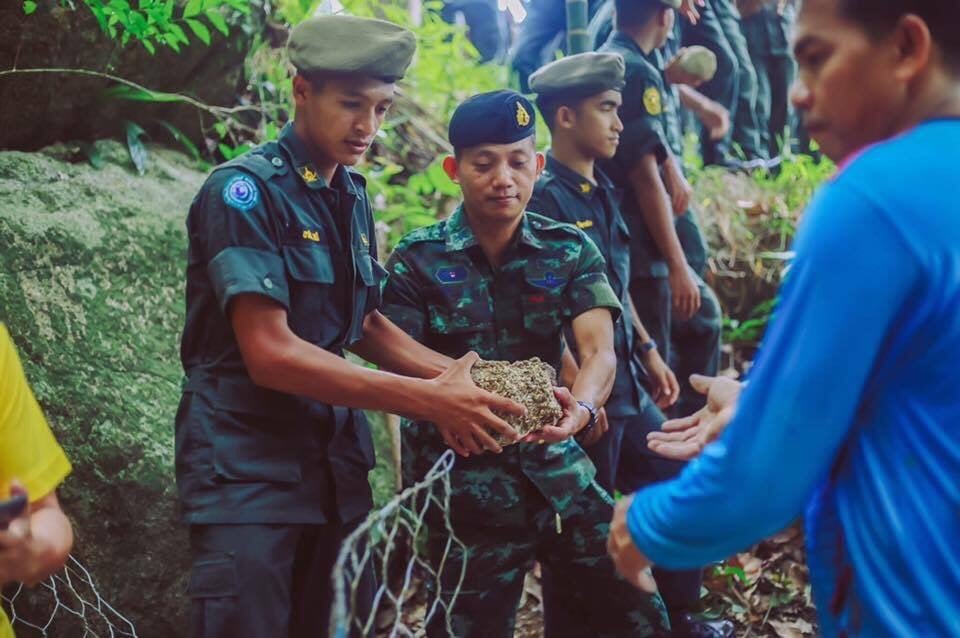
751	330
155	23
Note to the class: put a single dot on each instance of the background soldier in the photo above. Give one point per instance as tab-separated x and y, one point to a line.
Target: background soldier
503	282
735	83
766	26
662	282
271	455
579	96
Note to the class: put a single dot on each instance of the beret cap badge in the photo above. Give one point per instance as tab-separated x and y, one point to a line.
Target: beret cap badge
523	118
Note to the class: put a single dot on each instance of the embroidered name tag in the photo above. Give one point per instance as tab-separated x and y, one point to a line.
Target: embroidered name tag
452	275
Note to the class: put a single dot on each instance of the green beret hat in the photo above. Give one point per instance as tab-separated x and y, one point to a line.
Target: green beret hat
348	44
579	75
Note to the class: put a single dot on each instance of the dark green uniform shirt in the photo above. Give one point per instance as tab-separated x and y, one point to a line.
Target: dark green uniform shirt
444	293
688	229
645	131
564	195
268	224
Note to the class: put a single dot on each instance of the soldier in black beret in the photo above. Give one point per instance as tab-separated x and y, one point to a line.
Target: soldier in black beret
505	283
272	452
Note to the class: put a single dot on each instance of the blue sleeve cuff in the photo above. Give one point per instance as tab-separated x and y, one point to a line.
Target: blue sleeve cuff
236	270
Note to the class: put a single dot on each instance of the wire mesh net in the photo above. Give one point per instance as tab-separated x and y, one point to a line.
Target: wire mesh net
66	604
391	543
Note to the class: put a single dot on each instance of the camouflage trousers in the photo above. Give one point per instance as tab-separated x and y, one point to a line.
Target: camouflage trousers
583	596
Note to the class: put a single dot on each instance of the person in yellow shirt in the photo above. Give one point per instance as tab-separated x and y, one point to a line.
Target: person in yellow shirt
37	542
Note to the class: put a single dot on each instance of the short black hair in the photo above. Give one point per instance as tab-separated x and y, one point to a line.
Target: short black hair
636	13
550	106
880	18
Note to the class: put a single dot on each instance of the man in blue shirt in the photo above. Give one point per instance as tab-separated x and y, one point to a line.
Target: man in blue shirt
851	409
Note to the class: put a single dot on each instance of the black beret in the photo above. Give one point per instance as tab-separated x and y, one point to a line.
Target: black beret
348	44
498	117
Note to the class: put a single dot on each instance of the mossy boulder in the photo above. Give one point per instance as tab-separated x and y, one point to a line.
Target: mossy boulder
91	286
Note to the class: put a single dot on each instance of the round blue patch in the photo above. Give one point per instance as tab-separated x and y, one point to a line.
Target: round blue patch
241	193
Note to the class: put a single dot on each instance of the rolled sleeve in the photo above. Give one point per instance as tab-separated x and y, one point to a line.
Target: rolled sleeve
402	299
640	137
239	238
590	287
237	270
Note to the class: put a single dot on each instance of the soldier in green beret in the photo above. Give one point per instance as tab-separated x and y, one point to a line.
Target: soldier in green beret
272	452
505	283
579	96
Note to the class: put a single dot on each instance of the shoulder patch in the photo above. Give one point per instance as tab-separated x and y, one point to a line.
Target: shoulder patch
241	192
652	101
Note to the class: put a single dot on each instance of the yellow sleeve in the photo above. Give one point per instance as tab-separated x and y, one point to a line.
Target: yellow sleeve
29	452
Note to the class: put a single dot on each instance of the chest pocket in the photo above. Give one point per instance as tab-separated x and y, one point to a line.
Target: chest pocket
542	301
312	277
456	328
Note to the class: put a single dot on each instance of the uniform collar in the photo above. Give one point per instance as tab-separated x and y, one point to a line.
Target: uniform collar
296	148
460	236
577	182
624	41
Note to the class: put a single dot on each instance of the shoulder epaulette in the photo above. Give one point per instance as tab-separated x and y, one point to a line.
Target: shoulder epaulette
262	162
434	232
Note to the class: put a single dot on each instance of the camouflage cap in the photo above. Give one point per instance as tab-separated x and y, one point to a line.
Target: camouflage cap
579	75
348	44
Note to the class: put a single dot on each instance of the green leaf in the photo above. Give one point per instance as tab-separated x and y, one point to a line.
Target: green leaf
138	152
200	30
29	6
93	155
178	31
124	92
172	41
180	137
193	8
213	15
220	128
227	152
148	45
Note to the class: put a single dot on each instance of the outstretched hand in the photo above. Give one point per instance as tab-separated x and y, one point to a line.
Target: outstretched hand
683	439
464	413
627	558
574	418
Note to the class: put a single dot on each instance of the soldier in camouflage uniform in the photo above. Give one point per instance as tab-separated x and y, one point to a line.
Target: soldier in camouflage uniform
504	283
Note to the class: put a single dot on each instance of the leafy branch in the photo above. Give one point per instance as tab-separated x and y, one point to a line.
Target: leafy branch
153	23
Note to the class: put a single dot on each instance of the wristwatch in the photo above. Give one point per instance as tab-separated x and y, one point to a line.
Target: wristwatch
647	346
593	419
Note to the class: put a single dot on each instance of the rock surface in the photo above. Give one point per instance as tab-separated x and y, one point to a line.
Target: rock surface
528	382
63	106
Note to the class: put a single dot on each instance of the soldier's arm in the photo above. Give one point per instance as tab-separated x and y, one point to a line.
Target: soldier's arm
278	359
389	347
655	207
593	332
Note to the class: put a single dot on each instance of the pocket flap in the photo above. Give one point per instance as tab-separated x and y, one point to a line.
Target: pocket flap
213	578
309	262
471	318
248	398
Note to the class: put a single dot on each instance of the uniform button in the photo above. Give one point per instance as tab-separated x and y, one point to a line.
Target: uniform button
276	161
267	283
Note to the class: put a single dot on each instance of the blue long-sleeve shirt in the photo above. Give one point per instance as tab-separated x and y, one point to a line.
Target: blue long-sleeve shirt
853	406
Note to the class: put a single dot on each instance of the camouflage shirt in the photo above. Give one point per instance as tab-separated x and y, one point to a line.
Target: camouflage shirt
444	292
